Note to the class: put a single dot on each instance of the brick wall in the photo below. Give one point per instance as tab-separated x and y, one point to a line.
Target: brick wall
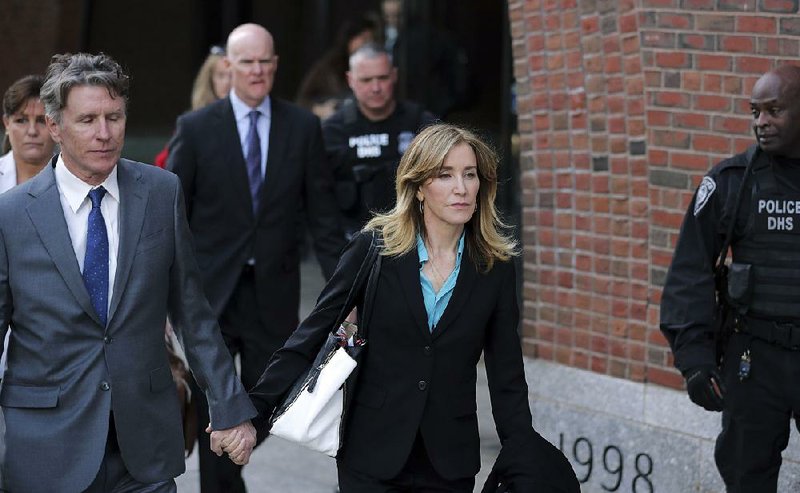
623	105
31	32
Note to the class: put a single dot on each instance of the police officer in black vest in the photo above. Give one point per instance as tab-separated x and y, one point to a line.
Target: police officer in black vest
749	366
366	137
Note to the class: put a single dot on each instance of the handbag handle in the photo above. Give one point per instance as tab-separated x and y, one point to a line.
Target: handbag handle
369	296
365	269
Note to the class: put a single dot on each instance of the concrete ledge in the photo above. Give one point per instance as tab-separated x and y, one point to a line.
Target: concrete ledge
628	436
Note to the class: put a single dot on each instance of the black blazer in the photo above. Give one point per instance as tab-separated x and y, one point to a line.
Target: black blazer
207	156
411	379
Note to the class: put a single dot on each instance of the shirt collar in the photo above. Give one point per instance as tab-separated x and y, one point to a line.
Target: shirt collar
422	251
242	111
75	190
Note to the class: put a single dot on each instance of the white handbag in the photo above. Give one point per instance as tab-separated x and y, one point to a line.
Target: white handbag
312	414
313	411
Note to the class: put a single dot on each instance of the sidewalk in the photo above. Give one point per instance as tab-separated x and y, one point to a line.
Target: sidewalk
280	466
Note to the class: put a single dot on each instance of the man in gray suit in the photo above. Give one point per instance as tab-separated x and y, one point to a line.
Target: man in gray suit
95	252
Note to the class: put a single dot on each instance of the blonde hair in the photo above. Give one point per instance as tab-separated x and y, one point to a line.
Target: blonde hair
423	160
203	88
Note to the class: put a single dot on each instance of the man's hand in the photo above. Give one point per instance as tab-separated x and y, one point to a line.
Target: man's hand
705	387
237	442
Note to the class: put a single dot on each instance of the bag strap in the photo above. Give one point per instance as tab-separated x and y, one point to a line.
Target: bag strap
361	277
369	295
751	155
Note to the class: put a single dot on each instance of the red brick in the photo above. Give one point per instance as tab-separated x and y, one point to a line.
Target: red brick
671	99
690	161
590	25
707	102
740	44
613	64
670	219
673	60
673	20
615	85
670	138
630	44
552	22
711	143
658	118
756	24
696	41
752	65
580	360
715	23
713	62
599	364
733	125
779	6
691	120
627	23
691	81
634	107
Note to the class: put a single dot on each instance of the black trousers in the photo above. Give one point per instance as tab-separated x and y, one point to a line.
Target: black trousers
417	476
245	335
113	476
757	414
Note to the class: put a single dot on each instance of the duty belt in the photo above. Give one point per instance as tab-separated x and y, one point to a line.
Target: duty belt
784	334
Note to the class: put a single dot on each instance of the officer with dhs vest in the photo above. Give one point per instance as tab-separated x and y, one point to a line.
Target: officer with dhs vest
367	136
750	324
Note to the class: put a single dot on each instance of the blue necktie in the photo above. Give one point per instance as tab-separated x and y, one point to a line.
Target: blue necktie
254	159
95	263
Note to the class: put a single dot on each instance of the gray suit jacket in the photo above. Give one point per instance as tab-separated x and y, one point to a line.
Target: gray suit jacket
67	373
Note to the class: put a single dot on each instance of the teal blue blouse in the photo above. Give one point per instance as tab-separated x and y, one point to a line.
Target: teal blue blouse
435	303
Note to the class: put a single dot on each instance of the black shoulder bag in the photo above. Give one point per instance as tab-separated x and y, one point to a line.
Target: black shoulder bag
313	411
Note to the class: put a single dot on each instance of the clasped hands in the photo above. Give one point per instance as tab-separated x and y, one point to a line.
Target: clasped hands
237	442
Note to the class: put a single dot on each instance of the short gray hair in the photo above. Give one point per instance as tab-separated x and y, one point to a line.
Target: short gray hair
81	69
368	51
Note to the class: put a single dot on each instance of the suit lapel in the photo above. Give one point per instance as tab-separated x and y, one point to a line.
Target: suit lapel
408	271
132	206
237	168
278	142
47	217
466	280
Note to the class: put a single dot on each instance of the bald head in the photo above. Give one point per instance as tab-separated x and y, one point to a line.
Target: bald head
775	106
248	32
252	61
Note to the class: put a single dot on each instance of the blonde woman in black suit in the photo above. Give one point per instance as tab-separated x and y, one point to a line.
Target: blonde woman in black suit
446	294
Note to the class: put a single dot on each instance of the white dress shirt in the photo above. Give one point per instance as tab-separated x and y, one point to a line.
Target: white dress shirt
241	112
8	172
74	194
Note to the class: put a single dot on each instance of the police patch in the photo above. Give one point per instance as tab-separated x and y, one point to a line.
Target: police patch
704	191
403	141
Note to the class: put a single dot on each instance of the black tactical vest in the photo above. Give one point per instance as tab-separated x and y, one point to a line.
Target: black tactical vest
766	269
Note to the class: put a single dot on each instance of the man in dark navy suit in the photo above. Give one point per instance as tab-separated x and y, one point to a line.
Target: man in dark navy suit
250	163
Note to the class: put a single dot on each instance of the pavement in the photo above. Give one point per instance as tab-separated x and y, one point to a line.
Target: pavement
280	466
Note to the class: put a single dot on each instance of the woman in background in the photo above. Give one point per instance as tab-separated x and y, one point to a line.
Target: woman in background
27	148
212	82
27	145
446	293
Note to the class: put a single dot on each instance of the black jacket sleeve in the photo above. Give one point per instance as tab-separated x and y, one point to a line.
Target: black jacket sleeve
688	300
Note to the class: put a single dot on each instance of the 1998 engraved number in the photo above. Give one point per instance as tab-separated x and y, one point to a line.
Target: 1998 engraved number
613	463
